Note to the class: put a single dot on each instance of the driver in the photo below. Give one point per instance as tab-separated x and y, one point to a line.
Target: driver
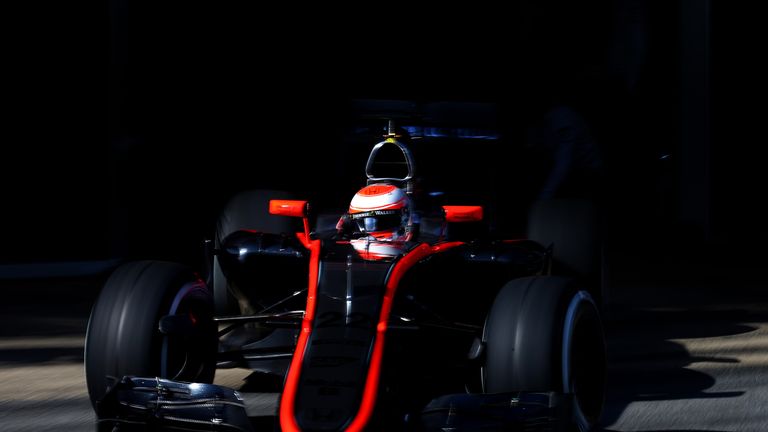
383	212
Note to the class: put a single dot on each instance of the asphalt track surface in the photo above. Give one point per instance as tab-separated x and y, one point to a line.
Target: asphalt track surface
698	362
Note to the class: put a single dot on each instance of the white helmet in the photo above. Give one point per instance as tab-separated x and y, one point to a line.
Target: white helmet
382	211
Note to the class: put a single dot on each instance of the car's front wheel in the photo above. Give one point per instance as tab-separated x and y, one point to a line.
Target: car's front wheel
124	338
543	334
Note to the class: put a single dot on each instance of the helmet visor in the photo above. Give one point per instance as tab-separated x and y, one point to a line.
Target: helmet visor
377	221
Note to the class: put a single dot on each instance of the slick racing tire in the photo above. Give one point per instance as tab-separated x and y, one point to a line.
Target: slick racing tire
542	334
571	227
246	210
123	336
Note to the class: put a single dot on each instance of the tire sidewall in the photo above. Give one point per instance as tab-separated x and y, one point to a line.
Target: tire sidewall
582	311
122	337
529	341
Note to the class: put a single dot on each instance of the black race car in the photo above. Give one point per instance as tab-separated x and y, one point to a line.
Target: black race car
399	314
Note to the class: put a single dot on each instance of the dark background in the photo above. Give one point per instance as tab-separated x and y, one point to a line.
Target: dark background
131	125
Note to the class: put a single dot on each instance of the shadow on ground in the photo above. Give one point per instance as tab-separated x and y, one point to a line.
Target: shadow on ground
647	362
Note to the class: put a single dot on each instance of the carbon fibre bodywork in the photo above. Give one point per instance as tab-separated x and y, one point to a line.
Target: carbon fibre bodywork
429	335
348	378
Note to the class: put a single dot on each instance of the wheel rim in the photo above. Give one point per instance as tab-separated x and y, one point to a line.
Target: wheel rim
183	357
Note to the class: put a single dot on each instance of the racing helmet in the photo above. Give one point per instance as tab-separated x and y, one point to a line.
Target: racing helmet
382	211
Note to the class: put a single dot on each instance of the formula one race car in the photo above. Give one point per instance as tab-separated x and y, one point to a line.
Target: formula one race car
394	316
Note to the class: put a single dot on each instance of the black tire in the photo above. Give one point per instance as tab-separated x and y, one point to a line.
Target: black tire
123	337
572	227
246	210
542	334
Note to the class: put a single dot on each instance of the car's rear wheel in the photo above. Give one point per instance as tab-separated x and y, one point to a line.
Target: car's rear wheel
246	210
572	228
123	336
542	334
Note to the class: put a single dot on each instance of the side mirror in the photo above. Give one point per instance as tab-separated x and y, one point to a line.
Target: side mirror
455	214
291	208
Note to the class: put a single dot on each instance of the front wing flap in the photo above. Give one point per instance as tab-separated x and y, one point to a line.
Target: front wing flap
140	404
530	412
158	404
